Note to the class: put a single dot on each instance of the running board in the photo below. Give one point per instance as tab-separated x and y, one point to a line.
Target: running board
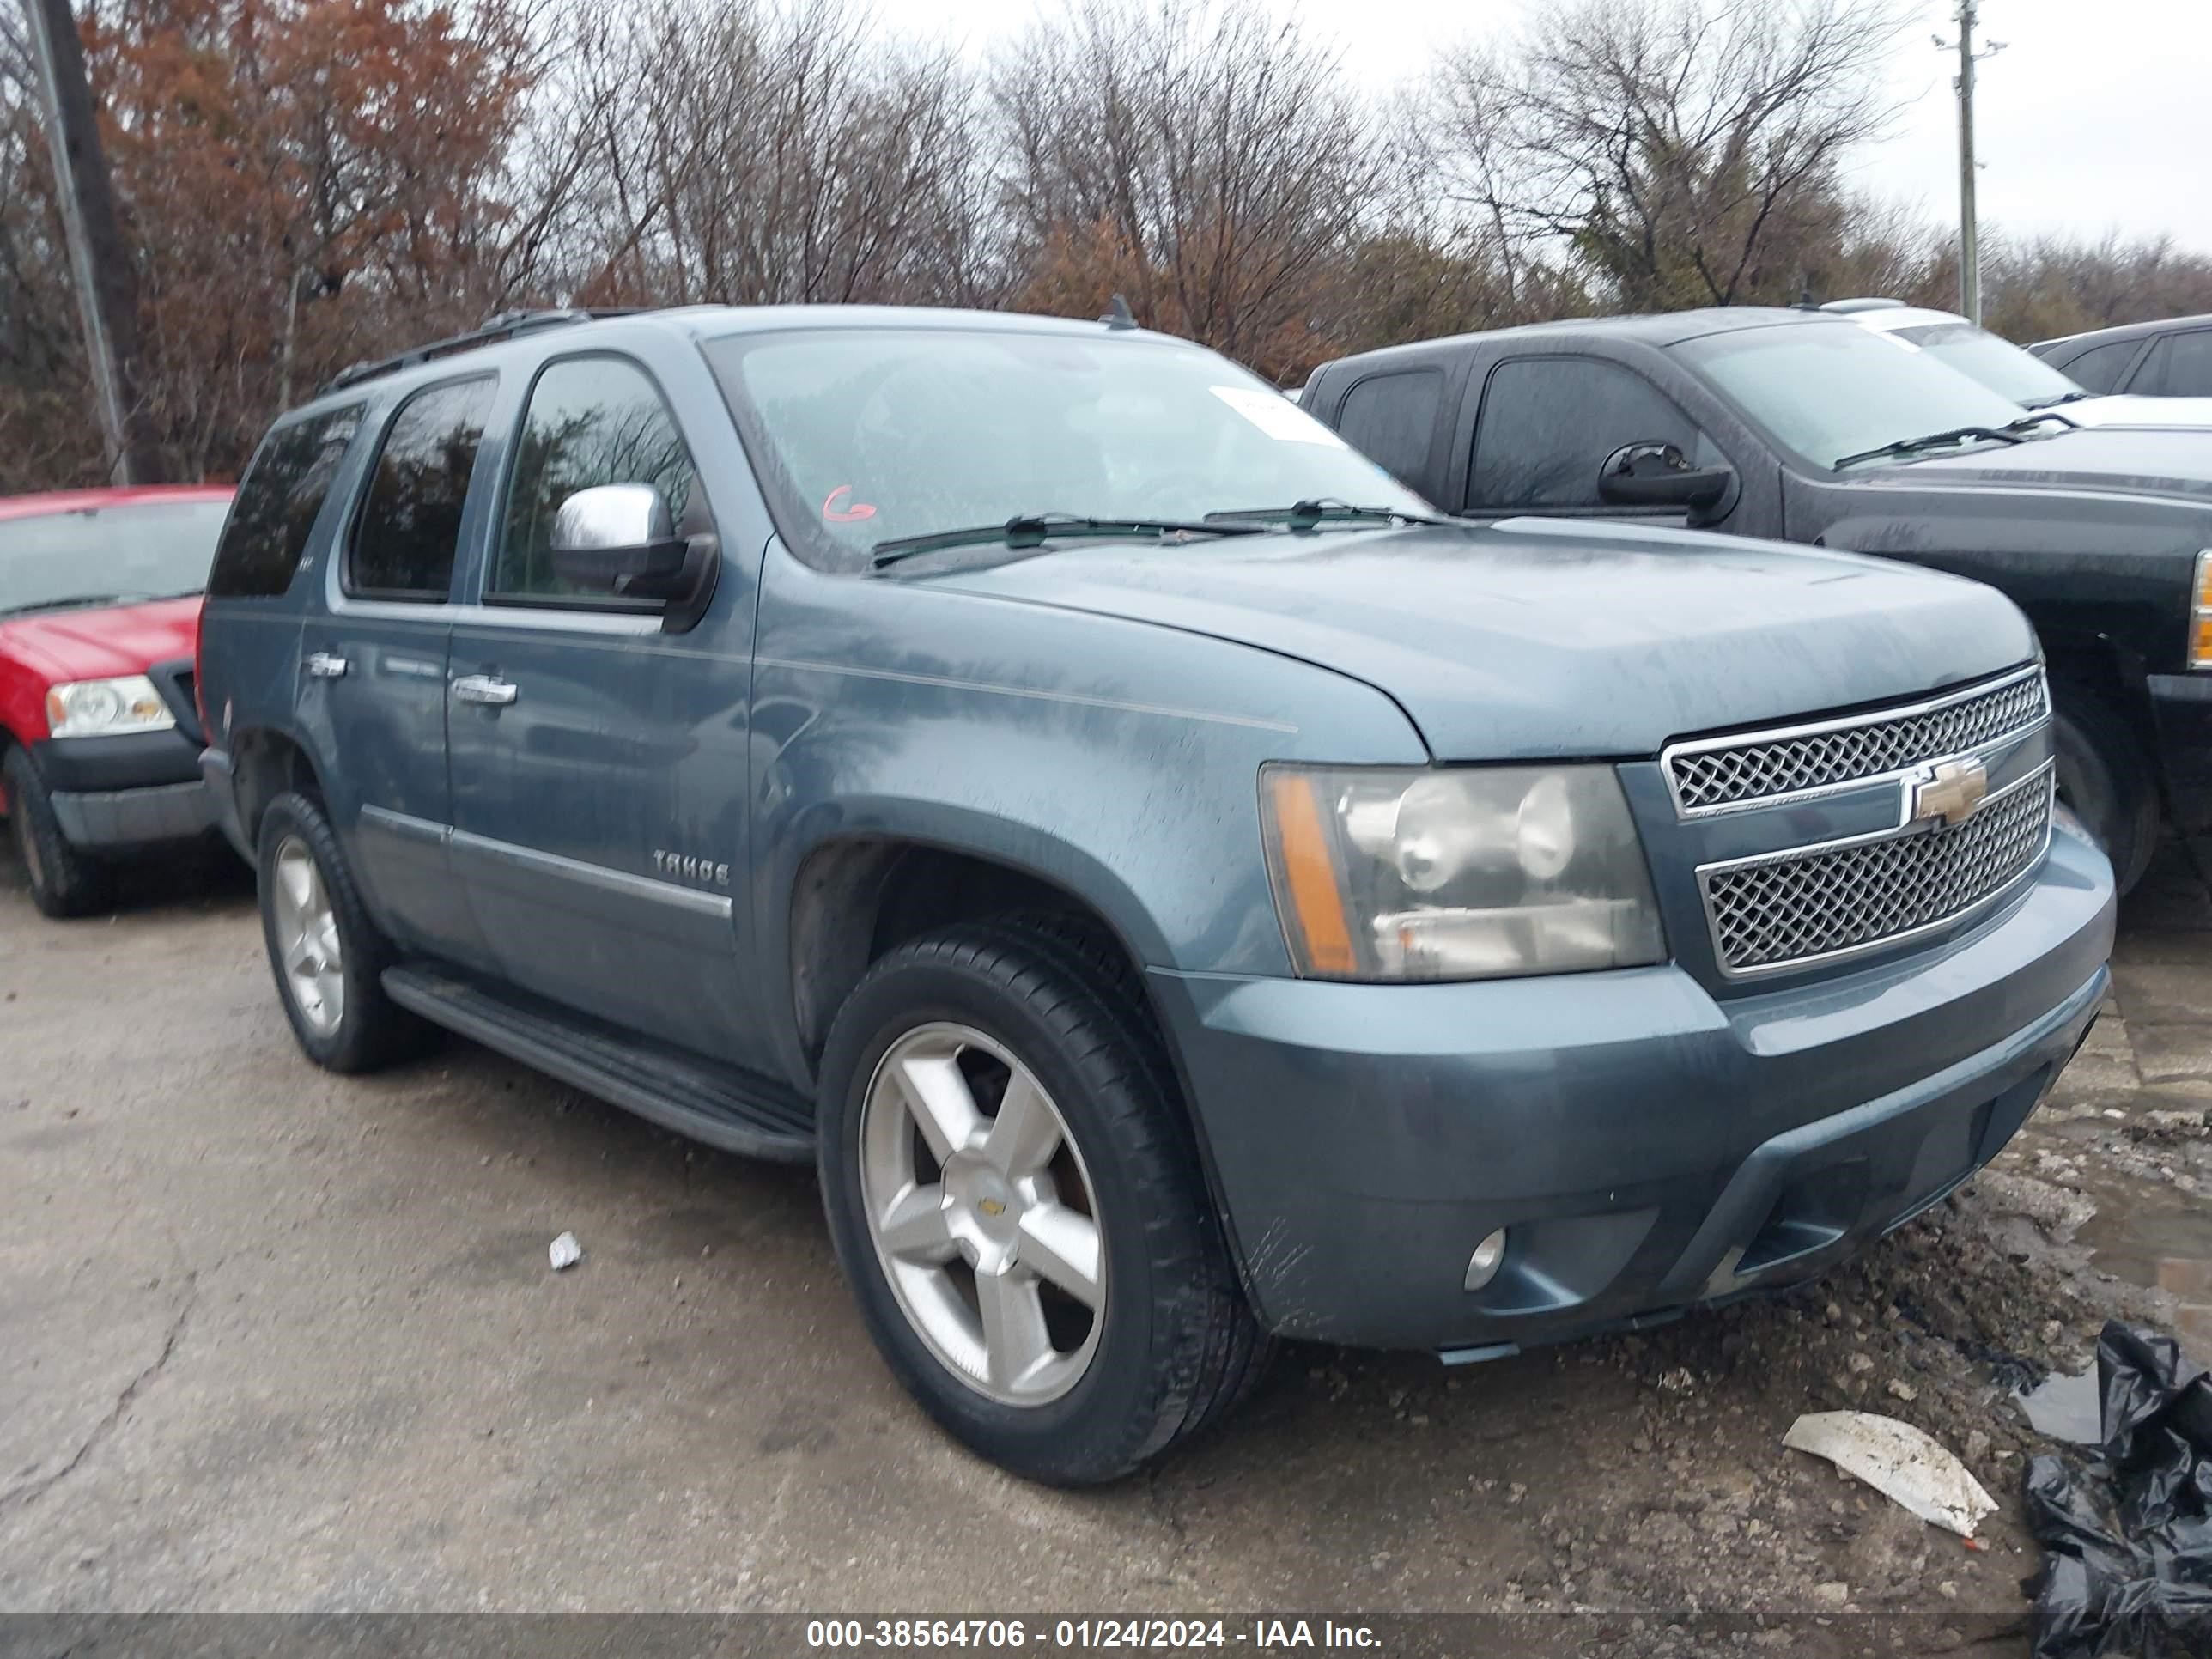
719	1105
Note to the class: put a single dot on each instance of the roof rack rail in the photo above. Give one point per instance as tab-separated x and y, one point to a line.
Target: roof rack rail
504	326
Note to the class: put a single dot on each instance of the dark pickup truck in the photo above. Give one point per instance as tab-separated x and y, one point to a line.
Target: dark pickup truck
1807	428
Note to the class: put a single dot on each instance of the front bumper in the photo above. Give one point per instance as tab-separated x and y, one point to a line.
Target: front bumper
1648	1147
118	794
119	820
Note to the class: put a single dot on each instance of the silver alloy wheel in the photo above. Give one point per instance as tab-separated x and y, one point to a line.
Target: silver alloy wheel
307	938
983	1215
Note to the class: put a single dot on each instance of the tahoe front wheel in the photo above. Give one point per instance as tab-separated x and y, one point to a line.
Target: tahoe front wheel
1015	1197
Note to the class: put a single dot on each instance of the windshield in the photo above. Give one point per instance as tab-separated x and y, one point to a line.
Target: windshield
1998	363
145	550
1826	390
876	435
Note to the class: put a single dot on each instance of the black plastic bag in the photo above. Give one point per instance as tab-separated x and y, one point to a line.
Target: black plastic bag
2127	1538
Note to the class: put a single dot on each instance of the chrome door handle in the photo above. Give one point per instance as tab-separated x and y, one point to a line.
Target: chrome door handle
484	688
324	666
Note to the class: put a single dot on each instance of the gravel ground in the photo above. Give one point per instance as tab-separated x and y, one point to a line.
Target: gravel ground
272	1340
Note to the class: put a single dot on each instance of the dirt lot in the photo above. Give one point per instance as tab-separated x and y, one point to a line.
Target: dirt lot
274	1340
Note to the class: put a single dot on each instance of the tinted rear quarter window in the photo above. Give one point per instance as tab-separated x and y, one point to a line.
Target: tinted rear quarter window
277	505
2099	368
411	520
1548	423
2179	366
1392	418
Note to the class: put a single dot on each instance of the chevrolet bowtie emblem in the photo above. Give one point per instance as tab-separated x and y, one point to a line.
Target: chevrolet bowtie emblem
1947	793
992	1206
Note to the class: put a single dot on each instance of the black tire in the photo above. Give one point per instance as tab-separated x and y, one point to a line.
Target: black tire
371	1030
64	881
2105	777
1177	1346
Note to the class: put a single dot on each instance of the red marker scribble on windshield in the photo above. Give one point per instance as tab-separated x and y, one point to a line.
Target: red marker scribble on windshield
852	514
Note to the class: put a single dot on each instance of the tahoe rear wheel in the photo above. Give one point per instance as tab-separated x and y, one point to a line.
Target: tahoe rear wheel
327	954
2105	777
1015	1196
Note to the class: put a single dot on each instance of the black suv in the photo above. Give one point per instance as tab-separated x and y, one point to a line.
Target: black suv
1807	428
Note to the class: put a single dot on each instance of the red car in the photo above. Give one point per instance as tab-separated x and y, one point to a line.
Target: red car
100	741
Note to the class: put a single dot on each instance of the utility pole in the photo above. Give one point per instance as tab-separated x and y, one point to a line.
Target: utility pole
100	260
1970	252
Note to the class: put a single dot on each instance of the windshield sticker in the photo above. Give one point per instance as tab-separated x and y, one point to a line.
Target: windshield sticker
839	507
1277	415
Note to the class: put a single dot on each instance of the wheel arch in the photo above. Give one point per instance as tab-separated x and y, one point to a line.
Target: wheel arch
266	762
856	894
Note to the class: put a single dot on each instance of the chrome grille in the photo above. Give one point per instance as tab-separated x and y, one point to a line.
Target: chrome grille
1714	774
1789	908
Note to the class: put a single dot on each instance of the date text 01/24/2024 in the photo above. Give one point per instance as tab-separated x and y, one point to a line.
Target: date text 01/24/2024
1259	1635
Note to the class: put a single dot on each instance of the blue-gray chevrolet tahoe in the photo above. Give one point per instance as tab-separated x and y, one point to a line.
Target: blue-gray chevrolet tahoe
1179	891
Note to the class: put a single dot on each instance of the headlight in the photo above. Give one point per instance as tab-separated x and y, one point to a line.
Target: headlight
2200	613
1396	873
107	708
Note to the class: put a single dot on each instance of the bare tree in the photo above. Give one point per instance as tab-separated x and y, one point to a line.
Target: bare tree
1203	155
808	159
2038	288
1673	145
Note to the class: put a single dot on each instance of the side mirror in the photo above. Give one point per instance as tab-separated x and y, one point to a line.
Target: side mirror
1660	475
619	539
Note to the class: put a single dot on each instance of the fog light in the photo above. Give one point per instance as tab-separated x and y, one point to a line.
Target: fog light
1489	1256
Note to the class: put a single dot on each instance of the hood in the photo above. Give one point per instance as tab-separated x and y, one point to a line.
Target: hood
2106	459
101	644
2123	411
1533	638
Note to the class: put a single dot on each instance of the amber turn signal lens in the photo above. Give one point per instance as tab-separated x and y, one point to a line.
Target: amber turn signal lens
1316	901
2200	617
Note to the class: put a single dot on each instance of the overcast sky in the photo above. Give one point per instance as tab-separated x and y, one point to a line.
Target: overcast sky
2093	118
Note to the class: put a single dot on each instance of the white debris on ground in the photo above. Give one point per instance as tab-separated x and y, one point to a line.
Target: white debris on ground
1901	1462
564	1252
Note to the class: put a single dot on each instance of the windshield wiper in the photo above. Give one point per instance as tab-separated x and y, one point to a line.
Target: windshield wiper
2036	417
1307	515
1957	434
1033	529
2075	396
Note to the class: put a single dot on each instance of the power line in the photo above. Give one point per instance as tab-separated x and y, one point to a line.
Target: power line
1970	252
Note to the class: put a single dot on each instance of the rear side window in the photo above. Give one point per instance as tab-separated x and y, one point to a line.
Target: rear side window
411	520
1548	424
266	535
2099	368
2179	366
1392	417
